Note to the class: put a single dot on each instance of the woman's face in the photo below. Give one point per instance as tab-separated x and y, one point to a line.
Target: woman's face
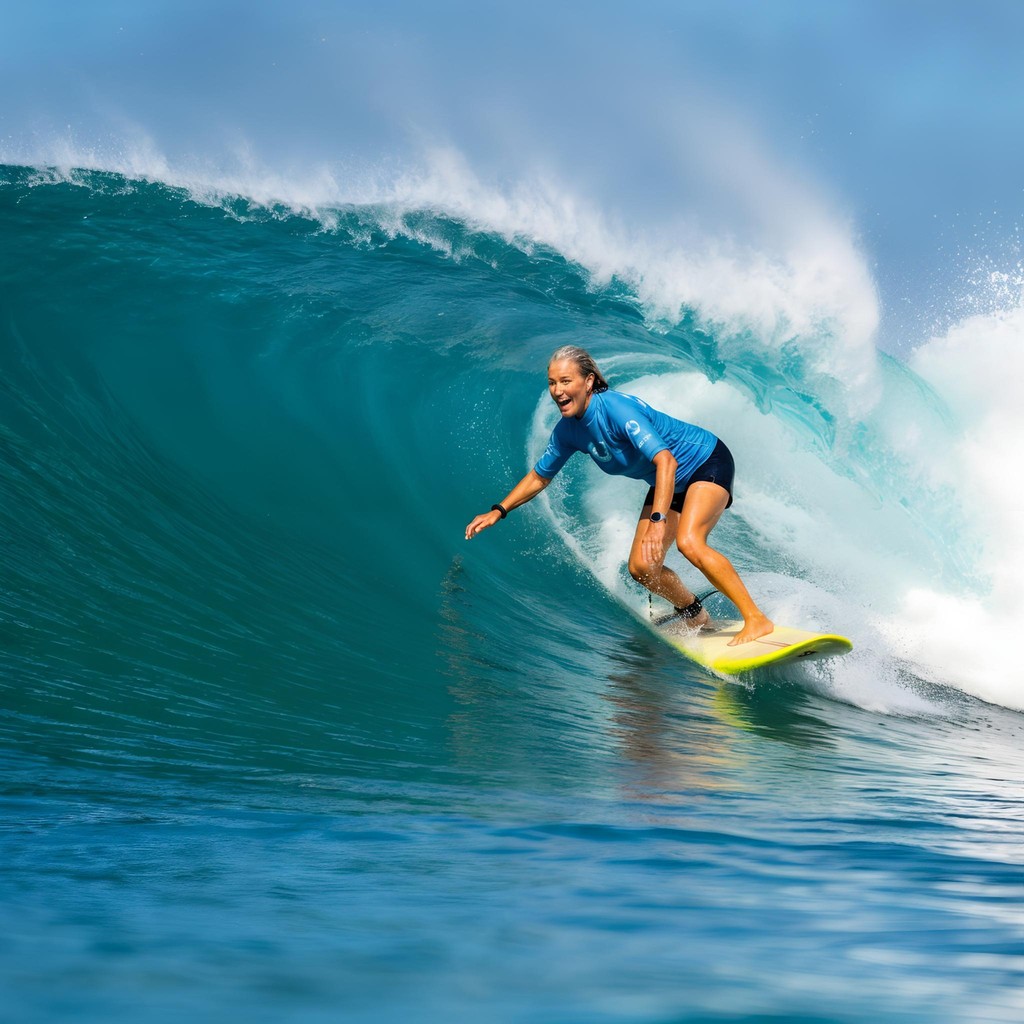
569	389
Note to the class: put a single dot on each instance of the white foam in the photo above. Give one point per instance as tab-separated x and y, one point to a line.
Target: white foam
977	368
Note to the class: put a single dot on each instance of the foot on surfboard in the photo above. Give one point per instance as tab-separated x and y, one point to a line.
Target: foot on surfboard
753	630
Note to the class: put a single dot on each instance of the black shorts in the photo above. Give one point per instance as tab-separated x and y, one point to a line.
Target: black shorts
717	468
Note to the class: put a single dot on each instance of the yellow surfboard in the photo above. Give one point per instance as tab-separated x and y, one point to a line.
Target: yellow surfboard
710	646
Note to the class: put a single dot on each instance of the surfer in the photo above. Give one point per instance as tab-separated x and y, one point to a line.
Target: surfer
689	470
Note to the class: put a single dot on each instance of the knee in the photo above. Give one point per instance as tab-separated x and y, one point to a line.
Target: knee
693	548
642	571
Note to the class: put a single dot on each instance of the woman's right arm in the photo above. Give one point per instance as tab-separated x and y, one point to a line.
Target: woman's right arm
528	488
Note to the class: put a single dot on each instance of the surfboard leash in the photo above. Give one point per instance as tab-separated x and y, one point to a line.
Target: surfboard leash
693	609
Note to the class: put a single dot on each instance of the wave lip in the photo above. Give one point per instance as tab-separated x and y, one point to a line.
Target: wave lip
808	291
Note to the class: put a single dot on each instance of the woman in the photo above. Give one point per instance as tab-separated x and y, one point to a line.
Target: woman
690	472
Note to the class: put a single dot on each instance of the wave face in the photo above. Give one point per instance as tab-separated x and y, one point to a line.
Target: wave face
239	440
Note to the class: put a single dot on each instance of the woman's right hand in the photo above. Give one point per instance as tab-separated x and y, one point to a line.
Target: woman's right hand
528	488
482	522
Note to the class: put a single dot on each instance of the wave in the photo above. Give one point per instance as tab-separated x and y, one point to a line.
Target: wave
345	373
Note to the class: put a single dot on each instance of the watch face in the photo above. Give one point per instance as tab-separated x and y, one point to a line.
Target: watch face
657	517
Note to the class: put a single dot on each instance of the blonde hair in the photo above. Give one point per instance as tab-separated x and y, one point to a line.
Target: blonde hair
584	362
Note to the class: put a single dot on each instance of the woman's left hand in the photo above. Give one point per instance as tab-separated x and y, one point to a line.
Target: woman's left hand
653	544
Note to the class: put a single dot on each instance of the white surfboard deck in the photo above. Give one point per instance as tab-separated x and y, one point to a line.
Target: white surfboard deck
710	646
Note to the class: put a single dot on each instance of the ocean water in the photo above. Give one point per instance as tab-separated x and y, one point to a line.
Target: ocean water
277	743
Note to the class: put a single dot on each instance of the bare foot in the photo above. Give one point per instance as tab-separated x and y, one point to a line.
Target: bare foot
752	630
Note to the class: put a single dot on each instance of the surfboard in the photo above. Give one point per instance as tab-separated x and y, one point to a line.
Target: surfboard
710	646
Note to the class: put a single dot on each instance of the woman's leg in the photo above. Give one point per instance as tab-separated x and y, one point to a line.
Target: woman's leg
655	576
702	508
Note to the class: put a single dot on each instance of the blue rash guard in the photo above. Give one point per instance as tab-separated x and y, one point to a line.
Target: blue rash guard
622	434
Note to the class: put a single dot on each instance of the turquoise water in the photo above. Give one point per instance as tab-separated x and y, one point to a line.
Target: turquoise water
278	744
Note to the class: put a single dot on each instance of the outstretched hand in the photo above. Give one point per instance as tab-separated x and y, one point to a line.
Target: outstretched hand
482	522
529	487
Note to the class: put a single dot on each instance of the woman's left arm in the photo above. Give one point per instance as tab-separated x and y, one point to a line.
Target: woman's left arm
653	544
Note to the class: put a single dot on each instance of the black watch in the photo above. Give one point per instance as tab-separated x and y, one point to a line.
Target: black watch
657	517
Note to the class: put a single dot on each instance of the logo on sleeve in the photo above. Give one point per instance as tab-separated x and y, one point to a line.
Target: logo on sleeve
633	429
